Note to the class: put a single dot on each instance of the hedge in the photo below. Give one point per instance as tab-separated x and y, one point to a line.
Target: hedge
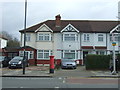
118	56
97	62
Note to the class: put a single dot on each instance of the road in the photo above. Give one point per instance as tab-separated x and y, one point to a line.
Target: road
59	82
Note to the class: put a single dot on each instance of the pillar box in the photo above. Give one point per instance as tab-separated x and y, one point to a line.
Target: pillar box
51	64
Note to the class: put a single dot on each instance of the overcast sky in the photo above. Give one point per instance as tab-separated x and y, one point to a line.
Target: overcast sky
41	10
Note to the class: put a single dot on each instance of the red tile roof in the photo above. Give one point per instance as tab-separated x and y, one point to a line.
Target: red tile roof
86	26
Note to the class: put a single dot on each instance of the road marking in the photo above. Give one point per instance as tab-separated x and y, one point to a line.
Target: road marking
56	87
23	78
64	80
60	78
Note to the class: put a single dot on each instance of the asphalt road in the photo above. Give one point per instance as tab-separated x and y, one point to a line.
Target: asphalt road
59	82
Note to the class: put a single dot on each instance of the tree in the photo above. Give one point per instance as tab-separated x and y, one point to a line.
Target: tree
12	41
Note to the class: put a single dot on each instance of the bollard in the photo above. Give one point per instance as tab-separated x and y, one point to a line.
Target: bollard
51	64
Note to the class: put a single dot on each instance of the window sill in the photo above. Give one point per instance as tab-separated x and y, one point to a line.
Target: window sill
42	59
43	41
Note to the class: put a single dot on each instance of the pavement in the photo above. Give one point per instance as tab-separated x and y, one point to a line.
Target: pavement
43	71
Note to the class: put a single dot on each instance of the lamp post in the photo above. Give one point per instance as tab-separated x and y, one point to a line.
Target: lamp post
24	36
114	63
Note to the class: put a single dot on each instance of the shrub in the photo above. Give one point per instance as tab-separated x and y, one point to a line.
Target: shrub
98	62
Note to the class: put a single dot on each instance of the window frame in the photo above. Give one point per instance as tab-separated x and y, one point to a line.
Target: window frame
45	37
86	37
43	54
70	37
28	37
75	52
100	37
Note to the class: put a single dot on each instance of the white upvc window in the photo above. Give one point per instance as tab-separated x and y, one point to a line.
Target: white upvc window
28	37
21	53
70	54
28	54
116	37
44	54
70	37
40	37
31	55
86	37
44	37
100	37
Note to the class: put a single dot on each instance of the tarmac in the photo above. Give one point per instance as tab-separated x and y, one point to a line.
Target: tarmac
43	71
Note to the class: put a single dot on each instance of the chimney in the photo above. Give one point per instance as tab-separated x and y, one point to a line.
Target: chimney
58	21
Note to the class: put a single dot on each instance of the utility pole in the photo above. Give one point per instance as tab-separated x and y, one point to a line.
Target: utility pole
24	58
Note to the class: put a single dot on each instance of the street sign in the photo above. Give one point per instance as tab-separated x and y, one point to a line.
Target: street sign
114	44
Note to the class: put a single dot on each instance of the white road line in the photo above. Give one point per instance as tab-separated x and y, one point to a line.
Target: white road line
60	78
56	87
64	80
27	78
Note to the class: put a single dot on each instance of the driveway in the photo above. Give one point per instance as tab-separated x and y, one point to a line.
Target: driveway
79	72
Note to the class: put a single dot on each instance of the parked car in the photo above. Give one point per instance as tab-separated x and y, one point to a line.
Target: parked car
4	61
68	63
17	62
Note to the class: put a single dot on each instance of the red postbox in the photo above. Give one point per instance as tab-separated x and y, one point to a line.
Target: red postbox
51	64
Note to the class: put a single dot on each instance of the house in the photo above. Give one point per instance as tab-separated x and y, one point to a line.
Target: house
68	39
11	52
7	51
3	44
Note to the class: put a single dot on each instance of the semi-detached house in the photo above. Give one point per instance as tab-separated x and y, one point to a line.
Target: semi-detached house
68	39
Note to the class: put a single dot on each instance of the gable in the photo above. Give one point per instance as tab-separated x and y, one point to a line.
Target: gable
69	28
44	28
116	29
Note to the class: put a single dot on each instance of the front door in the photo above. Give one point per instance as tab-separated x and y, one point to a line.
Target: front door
84	56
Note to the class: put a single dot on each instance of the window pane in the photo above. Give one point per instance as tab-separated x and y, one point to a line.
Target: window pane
69	55
46	51
46	55
40	50
40	55
86	37
40	37
27	37
69	37
100	37
47	37
31	54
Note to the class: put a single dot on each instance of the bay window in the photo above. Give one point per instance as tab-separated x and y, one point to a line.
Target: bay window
70	37
44	54
44	37
70	54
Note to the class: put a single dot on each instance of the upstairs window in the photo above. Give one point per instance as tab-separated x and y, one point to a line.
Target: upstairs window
116	37
70	37
86	37
100	37
44	37
27	36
